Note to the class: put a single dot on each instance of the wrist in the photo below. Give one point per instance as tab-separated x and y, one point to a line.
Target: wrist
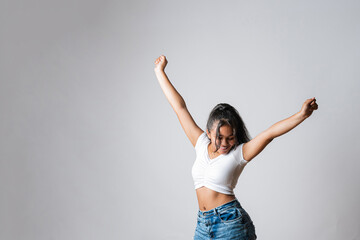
158	70
301	116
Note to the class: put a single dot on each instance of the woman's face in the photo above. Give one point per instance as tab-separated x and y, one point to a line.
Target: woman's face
226	138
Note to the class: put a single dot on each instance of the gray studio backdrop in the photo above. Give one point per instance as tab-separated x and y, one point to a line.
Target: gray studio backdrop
91	149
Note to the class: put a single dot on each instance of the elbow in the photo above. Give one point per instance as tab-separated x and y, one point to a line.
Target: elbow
179	107
269	135
181	104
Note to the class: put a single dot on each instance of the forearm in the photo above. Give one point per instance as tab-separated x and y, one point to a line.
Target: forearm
285	125
175	99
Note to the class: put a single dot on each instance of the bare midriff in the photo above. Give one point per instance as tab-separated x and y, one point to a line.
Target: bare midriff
209	199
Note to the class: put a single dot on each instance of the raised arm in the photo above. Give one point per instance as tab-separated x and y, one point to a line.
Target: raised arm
176	101
252	148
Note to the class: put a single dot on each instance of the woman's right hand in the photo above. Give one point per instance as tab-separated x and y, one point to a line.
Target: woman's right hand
160	63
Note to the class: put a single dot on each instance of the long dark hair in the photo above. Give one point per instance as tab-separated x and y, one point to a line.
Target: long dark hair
228	115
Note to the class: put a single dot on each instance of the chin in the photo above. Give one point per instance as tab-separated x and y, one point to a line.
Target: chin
225	152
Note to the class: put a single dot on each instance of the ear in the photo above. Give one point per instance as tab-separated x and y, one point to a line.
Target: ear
208	134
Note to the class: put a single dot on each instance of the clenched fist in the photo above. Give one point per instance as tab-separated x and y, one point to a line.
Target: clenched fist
160	63
308	107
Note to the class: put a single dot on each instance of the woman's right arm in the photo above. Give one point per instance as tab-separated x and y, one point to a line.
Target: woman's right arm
176	101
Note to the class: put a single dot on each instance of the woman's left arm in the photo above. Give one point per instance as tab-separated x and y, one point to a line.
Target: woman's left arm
252	148
286	125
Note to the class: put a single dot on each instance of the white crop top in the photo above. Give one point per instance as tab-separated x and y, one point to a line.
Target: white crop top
219	174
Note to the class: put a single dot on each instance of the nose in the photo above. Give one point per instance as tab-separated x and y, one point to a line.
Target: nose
224	142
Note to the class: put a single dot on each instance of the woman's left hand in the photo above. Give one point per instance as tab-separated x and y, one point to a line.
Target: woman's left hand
308	107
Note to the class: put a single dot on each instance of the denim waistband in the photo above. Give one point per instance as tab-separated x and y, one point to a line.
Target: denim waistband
214	211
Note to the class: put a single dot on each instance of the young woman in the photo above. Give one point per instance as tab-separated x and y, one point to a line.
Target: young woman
221	154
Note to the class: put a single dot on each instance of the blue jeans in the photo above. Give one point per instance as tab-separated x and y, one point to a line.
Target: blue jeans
228	221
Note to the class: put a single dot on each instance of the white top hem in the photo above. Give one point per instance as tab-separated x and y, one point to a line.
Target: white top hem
215	188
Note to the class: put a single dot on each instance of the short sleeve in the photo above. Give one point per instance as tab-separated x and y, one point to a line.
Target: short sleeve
239	154
201	141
